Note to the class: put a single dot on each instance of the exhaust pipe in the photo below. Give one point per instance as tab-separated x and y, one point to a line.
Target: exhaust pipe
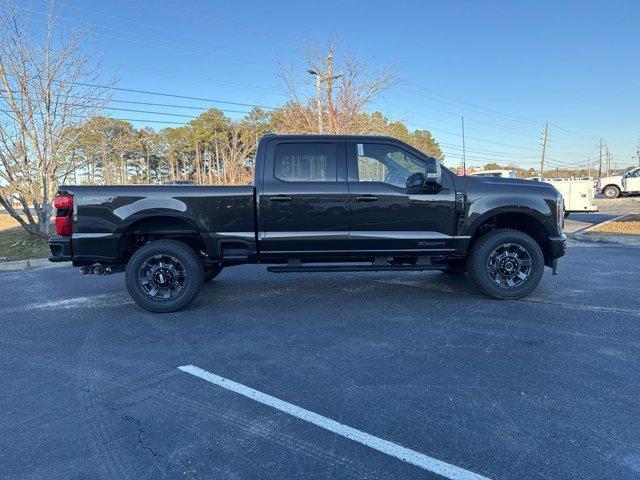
101	269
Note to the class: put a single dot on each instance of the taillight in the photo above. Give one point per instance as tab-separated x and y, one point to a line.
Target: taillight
64	214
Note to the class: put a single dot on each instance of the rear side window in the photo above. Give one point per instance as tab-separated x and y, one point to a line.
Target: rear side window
305	162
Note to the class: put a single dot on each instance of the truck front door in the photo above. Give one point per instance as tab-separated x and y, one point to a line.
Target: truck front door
304	200
385	219
631	181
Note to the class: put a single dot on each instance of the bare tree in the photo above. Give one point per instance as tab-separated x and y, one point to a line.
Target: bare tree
47	89
334	100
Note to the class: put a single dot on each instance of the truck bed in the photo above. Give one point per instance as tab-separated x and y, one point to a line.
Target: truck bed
223	216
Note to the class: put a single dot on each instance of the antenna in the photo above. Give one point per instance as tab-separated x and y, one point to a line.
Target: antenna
464	156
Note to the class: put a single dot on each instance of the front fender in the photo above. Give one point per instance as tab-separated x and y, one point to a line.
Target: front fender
483	209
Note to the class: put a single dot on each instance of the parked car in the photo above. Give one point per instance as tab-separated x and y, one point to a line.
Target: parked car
358	203
494	173
614	186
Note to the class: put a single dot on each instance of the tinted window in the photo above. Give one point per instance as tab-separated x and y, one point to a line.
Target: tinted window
305	162
386	164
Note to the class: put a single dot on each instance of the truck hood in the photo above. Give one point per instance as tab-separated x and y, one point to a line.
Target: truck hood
614	179
512	181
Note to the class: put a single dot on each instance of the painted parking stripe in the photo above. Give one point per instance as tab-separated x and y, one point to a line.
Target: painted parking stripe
405	454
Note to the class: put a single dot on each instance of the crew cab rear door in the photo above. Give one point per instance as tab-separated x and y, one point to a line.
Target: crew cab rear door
385	219
304	200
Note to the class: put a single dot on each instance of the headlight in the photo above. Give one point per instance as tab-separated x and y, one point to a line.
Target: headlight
560	212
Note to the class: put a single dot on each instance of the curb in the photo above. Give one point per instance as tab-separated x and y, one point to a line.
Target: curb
28	264
583	235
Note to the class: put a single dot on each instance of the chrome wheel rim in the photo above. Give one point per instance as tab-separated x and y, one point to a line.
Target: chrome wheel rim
509	265
162	277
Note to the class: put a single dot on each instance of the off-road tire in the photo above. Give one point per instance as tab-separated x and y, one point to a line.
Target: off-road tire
611	192
193	279
478	261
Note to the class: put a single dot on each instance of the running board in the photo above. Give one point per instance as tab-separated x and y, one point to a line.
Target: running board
352	268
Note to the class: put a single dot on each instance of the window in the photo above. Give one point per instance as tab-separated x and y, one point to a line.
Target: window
634	173
387	164
305	162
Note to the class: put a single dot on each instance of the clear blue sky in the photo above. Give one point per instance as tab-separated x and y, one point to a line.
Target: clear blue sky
506	66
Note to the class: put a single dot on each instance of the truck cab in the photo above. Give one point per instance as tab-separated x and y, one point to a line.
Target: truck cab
318	203
616	185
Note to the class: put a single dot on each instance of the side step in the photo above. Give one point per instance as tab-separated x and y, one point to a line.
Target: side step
351	268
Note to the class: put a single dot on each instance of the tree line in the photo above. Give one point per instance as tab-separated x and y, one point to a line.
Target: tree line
212	149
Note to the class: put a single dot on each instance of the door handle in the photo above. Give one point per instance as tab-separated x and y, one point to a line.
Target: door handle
280	198
366	198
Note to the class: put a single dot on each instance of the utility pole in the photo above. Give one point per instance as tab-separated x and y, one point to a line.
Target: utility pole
318	97
544	149
600	164
327	78
608	162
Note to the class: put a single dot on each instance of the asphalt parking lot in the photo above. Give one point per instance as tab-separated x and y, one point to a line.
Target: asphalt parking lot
544	388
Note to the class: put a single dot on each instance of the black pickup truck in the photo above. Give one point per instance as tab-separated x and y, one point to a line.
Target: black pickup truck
318	203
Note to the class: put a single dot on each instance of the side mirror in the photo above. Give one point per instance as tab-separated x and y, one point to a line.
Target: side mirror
433	172
416	182
430	181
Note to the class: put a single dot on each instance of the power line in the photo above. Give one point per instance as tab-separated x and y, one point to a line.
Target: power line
479	109
179	47
484	132
151	104
116	118
184	97
200	78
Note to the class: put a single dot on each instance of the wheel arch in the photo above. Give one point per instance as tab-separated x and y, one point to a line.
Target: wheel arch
165	226
526	221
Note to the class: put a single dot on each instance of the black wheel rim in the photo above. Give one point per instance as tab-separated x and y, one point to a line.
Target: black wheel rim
162	277
509	265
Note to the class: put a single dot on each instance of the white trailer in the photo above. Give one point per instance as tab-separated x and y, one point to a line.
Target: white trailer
578	194
494	173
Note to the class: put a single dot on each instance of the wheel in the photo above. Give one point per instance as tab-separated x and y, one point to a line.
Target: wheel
164	276
611	191
212	272
455	267
506	264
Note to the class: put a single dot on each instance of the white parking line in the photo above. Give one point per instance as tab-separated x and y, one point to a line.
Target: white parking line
405	454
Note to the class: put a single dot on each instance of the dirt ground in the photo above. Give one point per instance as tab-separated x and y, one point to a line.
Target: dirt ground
626	226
